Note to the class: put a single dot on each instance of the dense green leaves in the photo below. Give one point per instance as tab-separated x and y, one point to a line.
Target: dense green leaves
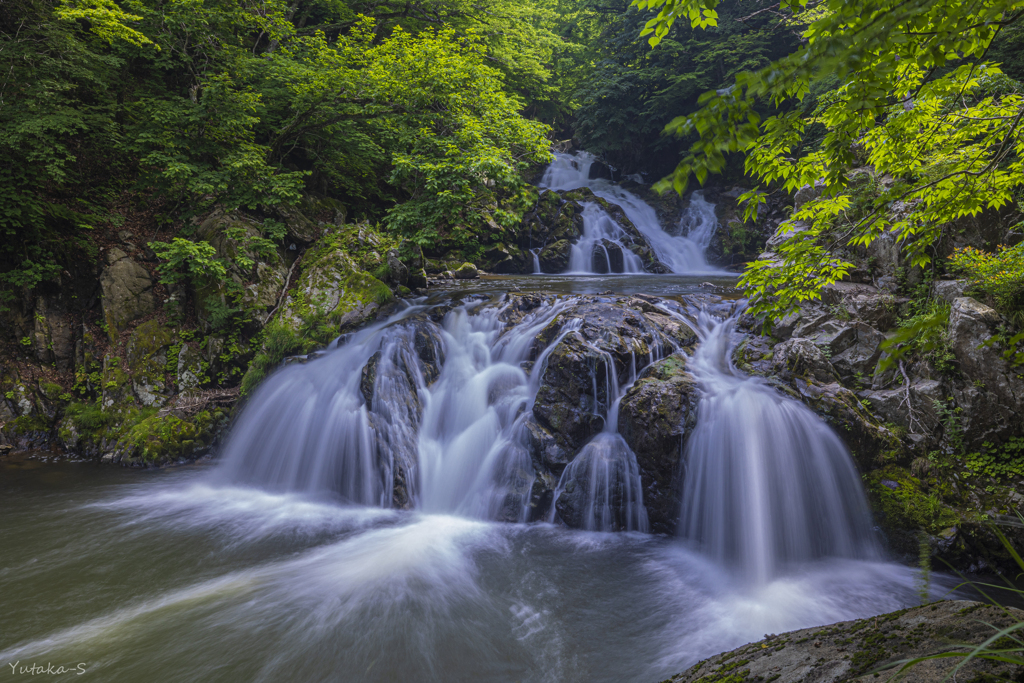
914	99
413	117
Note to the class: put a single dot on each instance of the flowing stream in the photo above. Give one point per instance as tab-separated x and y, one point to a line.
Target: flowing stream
768	485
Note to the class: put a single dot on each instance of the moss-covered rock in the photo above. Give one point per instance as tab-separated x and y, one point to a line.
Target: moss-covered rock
332	295
159	439
467	271
146	355
854	650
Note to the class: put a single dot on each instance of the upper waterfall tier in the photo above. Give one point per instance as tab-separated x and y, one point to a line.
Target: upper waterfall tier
682	254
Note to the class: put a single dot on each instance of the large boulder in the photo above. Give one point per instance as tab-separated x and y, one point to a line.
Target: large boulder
127	291
858	360
854	650
864	302
912	407
992	393
566	403
331	288
655	416
554	257
802	358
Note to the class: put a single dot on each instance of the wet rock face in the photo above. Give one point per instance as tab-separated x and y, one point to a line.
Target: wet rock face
615	340
992	397
566	404
127	291
553	220
655	417
556	224
852	650
799	368
52	338
802	358
580	374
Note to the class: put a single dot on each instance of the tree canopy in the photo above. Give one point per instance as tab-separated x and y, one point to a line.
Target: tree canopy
908	88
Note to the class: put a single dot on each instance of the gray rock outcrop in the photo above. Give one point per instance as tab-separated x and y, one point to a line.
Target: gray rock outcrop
127	291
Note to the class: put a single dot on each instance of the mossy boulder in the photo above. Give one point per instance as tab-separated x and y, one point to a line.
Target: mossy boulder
146	355
332	288
332	295
855	650
160	439
467	271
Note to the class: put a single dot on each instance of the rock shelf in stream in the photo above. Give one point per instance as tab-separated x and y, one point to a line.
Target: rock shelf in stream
857	650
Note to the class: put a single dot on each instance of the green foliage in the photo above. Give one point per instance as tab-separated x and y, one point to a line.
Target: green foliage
186	259
87	417
999	276
624	94
913	92
252	104
278	341
1002	463
906	503
922	333
157	439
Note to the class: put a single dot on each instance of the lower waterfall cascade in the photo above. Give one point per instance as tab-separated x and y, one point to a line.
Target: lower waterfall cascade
767	483
361	506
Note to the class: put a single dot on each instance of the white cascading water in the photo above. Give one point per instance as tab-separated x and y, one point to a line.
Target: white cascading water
604	476
682	254
459	445
699	223
600	249
309	428
767	483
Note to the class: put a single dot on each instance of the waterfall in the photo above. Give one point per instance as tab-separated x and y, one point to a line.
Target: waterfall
767	483
681	254
600	249
699	222
600	490
436	411
536	261
309	428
